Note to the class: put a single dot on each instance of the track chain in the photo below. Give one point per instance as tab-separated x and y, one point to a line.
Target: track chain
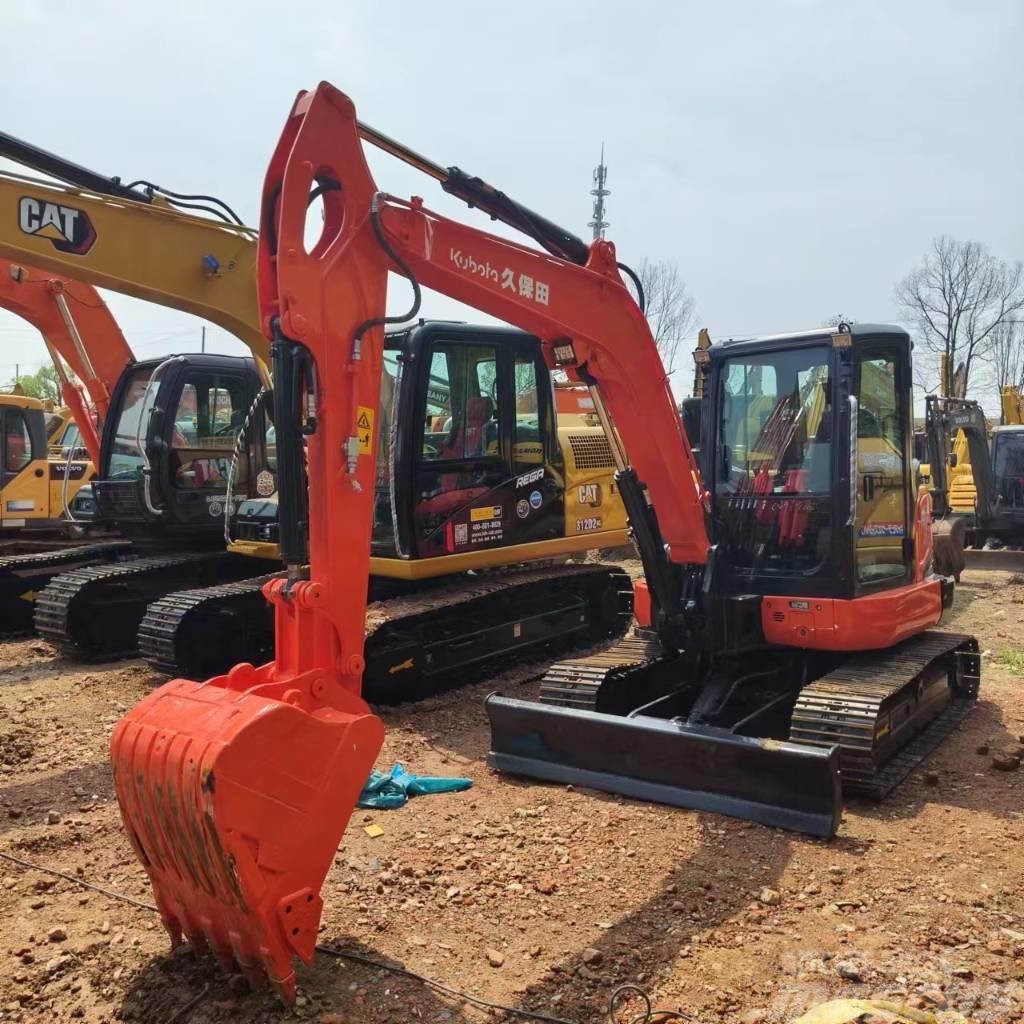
159	631
76	590
576	684
850	707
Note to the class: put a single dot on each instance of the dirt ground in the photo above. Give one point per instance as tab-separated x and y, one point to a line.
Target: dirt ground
537	895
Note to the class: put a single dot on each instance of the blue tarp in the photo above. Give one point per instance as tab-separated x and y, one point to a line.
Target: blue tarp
384	792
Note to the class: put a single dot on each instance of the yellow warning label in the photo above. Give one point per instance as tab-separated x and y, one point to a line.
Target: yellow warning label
483	515
364	428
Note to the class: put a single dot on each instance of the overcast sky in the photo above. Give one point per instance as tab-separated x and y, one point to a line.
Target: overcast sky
793	158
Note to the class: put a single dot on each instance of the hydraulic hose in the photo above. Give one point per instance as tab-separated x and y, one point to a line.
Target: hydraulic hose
287	357
147	469
235	454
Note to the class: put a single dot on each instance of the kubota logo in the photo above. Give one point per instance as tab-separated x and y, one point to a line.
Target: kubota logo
69	230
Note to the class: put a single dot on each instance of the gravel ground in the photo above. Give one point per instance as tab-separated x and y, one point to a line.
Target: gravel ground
537	895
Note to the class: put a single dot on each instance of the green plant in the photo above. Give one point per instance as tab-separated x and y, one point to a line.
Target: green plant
1012	659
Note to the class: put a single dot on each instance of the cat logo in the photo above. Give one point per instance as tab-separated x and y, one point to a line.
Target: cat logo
589	494
69	230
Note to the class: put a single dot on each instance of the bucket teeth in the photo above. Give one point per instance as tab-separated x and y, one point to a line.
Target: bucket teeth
235	804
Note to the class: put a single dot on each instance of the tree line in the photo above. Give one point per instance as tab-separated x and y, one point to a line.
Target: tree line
960	301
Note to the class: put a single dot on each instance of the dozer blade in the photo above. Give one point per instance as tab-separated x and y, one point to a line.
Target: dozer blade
235	803
787	785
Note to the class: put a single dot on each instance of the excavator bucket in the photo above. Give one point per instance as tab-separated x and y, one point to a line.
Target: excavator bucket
949	540
787	785
237	843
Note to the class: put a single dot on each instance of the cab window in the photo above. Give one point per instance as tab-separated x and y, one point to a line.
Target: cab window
776	424
71	438
137	400
881	517
527	450
773	472
461	419
207	421
17	442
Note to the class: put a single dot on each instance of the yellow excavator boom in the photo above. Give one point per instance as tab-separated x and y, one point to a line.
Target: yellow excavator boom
147	250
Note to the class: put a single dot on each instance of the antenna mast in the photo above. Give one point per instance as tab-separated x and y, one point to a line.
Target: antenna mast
599	192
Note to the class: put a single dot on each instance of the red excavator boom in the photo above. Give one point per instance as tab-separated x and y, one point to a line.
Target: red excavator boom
236	792
81	332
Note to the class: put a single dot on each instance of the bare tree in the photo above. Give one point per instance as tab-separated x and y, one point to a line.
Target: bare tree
958	298
1007	354
670	308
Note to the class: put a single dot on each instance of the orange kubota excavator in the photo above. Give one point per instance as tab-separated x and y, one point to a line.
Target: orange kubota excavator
236	792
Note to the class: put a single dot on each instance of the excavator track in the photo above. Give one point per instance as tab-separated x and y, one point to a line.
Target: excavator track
94	613
447	636
194	634
418	643
23	575
888	710
584	684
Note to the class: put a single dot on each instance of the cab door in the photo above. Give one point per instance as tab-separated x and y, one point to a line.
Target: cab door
24	472
196	450
459	504
882	518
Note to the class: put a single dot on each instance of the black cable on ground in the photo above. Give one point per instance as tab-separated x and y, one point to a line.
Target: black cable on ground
78	881
430	983
179	1014
648	1016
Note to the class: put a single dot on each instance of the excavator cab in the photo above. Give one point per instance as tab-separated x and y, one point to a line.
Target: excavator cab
23	432
168	446
806	456
477	465
471	459
1008	471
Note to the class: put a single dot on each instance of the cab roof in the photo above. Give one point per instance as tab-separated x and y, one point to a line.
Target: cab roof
816	334
21	402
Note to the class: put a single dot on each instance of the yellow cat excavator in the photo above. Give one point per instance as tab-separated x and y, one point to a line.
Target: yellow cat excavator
788	597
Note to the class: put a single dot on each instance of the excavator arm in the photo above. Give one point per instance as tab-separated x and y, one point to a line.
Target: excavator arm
81	333
111	237
945	416
236	840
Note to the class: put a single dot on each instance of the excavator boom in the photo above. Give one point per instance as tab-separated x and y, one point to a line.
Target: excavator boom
65	312
144	249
